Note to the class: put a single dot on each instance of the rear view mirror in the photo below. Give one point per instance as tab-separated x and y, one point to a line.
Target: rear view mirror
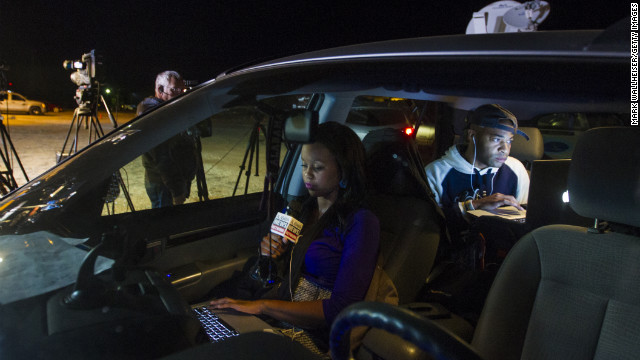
300	126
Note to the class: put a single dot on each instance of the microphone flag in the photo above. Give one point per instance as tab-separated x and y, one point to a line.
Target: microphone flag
287	227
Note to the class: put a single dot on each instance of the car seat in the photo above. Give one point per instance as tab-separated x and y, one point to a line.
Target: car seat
411	223
528	150
568	291
563	292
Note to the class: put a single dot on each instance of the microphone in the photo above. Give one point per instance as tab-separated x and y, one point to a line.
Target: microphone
289	228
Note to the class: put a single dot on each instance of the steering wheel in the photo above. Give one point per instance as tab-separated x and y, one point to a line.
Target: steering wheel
424	333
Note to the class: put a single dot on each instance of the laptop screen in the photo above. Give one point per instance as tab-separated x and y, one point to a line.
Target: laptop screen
549	200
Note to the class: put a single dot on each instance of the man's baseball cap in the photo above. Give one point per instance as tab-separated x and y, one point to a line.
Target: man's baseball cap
490	116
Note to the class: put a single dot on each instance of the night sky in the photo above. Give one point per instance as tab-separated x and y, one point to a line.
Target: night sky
137	39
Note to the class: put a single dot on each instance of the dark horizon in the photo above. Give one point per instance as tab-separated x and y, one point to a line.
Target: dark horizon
138	39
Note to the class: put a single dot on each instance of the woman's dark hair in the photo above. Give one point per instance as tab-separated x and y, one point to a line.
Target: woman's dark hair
349	152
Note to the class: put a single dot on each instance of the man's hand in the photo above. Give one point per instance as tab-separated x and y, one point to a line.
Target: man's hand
180	199
494	201
277	244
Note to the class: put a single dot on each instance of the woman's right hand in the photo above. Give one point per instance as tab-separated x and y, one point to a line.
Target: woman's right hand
277	244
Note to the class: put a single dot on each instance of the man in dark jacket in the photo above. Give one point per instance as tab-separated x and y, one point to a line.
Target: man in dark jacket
171	166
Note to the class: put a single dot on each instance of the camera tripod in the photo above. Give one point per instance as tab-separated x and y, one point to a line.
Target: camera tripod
86	114
253	148
7	180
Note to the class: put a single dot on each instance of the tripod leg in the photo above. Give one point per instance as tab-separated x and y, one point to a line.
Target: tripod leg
106	107
201	181
74	144
258	150
5	186
254	142
6	139
262	130
7	176
66	140
244	161
125	191
96	129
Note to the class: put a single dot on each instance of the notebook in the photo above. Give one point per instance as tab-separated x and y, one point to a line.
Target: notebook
548	196
505	212
224	323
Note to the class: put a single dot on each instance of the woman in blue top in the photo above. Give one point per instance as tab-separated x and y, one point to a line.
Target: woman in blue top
339	262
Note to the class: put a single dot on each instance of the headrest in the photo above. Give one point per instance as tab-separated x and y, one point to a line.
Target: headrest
604	176
528	151
393	163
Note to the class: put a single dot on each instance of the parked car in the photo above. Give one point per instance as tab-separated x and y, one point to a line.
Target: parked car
13	102
51	107
89	270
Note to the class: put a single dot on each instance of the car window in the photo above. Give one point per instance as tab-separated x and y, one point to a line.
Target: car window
229	159
578	121
17	97
606	119
368	113
563	121
3	96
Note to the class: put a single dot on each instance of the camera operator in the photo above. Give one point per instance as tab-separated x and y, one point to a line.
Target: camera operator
171	166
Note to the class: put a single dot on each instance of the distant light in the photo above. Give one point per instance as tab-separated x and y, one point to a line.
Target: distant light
108	91
565	196
78	64
1	259
408	131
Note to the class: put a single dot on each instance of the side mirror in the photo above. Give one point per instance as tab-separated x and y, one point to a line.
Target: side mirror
300	126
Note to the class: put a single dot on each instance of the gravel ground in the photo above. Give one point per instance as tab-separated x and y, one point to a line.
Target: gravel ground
37	139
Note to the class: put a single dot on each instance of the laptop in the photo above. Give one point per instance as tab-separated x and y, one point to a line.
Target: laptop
548	198
221	324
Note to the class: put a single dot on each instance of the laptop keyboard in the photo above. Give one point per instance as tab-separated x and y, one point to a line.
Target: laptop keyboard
215	328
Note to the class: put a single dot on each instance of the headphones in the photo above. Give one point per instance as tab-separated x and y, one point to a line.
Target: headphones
473	137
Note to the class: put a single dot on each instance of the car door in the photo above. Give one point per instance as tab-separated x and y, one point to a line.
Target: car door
202	242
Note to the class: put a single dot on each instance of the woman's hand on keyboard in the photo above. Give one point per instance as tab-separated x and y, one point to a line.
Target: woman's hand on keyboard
249	307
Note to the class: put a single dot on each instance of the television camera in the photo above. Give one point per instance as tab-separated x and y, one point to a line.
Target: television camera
88	97
85	78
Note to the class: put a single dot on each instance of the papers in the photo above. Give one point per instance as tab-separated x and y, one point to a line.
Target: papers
505	212
36	263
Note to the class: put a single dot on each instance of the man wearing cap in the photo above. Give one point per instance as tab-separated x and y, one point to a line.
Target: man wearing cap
480	174
170	167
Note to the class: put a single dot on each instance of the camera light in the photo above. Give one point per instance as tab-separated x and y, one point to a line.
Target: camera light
73	64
